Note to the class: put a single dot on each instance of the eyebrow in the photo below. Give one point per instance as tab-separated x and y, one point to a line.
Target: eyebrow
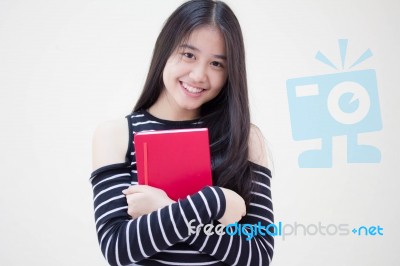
223	57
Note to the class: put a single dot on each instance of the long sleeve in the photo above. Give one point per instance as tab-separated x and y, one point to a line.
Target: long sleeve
124	241
239	249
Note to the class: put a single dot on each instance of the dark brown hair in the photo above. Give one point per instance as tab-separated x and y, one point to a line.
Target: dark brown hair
227	115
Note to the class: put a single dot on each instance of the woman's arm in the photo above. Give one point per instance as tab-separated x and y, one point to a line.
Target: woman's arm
257	148
110	143
123	240
241	250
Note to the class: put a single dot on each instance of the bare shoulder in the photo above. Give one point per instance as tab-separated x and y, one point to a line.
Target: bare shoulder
257	147
110	143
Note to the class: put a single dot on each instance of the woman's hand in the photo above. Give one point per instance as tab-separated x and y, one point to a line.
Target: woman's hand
235	207
144	199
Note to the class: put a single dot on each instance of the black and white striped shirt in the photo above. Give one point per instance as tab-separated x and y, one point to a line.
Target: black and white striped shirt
163	237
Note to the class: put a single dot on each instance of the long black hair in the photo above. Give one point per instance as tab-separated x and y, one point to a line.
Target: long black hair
227	116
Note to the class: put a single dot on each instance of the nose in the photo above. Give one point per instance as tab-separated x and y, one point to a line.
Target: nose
198	73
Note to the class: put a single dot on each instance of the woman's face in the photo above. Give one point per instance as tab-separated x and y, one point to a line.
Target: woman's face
195	72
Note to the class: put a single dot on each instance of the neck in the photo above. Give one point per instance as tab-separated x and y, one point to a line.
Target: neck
163	110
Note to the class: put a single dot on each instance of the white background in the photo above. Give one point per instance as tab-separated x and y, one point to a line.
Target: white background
65	66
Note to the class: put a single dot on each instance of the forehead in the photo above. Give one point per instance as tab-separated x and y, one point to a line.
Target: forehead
207	39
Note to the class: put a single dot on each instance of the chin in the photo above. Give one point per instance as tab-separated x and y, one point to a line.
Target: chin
191	109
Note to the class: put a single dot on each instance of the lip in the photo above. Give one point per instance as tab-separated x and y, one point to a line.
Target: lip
191	94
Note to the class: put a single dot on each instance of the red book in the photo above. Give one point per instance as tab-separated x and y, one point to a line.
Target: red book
176	161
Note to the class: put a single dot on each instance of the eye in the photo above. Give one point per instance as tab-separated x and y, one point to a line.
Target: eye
217	64
188	55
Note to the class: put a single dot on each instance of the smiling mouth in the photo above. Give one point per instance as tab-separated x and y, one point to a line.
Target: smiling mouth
191	89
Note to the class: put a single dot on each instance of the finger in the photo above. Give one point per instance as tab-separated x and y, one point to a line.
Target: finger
134	189
132	213
131	198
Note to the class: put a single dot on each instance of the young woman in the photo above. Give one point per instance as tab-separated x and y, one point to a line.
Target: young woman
197	78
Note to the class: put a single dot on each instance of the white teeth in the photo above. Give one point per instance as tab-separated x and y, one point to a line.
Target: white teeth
191	89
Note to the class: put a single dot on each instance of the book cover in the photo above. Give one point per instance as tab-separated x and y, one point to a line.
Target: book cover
176	161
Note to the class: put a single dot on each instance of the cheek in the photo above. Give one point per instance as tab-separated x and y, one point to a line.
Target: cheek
220	81
169	64
168	78
171	71
167	71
